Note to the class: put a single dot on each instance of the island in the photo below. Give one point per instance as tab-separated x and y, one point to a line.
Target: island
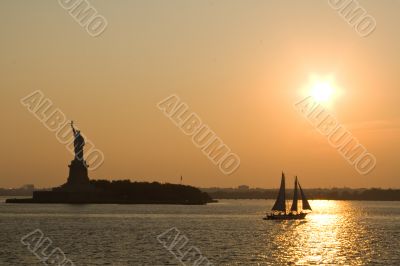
79	189
122	192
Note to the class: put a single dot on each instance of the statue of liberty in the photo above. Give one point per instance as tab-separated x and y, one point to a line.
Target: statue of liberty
78	178
79	143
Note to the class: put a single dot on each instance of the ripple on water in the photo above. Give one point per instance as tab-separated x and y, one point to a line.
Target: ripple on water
229	233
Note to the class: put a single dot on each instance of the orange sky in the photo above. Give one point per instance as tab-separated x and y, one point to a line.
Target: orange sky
240	65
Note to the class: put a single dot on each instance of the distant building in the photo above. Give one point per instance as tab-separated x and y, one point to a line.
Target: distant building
243	187
28	187
25	190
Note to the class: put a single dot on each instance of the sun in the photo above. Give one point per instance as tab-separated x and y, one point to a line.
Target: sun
323	89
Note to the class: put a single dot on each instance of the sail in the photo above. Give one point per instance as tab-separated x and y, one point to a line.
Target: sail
295	198
306	205
280	203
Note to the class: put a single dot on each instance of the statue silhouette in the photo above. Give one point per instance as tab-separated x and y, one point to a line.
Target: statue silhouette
79	142
78	178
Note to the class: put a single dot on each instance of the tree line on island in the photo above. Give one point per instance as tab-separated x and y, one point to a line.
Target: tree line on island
371	194
151	192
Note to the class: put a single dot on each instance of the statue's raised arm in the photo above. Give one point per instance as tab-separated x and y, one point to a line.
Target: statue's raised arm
72	126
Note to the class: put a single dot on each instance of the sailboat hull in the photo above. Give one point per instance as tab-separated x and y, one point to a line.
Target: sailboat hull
289	216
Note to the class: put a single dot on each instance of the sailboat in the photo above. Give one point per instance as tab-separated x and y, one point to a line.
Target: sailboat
279	211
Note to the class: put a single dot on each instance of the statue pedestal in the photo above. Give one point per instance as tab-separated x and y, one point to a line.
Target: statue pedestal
78	173
78	179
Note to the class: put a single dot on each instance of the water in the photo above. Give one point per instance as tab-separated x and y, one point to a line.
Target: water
230	232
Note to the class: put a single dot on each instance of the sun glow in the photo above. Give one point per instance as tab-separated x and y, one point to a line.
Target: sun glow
322	89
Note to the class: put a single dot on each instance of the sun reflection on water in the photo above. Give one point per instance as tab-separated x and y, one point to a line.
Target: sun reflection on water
321	236
329	235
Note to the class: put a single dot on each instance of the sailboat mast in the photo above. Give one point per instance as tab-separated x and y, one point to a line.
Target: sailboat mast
295	207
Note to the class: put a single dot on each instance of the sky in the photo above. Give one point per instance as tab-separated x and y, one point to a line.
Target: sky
240	65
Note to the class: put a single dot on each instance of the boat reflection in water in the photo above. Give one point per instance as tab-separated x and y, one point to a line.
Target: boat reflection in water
279	211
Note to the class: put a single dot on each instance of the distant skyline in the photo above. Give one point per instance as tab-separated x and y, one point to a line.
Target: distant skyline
239	65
